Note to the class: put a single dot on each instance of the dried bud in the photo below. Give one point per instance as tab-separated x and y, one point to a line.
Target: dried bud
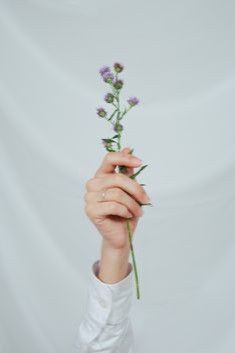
109	97
118	67
118	127
101	112
118	84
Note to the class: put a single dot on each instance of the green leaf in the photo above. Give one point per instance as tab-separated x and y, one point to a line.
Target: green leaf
112	115
145	204
122	169
110	140
114	137
138	172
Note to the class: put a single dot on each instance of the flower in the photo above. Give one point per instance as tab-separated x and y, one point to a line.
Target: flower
118	127
108	77
118	67
101	112
104	69
118	84
133	101
109	97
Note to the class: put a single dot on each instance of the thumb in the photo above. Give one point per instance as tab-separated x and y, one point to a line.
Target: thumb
129	170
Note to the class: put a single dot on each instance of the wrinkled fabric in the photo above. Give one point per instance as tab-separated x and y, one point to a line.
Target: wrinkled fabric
106	326
179	61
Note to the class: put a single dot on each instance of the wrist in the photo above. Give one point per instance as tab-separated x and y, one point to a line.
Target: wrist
113	263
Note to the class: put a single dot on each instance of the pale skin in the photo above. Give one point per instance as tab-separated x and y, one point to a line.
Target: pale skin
109	216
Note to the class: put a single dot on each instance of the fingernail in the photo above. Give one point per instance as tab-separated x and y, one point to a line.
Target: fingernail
147	198
137	160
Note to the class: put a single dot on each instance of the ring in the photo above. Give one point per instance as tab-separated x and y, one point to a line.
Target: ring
103	195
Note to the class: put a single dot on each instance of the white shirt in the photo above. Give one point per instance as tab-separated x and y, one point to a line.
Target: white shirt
106	326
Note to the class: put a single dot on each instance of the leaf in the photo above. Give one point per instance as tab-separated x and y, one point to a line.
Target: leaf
112	115
145	204
122	169
114	137
138	172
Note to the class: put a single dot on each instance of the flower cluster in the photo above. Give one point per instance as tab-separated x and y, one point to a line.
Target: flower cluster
110	77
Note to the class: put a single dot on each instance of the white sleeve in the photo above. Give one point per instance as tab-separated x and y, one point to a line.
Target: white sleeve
106	326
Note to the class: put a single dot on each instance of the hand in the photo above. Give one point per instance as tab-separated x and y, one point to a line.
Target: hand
122	193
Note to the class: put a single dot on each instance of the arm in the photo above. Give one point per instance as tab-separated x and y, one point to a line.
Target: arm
106	326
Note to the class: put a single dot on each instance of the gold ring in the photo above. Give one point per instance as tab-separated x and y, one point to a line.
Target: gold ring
103	195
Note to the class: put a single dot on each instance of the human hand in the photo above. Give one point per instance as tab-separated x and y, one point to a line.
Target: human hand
121	198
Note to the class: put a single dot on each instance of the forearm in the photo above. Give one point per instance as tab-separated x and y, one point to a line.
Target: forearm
113	263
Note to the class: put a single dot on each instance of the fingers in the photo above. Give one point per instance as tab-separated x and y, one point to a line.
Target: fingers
112	159
117	195
119	180
106	209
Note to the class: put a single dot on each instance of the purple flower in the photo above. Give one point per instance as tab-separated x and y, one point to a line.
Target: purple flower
118	67
109	97
104	69
101	112
108	77
133	101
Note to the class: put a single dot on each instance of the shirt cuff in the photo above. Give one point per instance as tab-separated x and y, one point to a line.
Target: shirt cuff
112	302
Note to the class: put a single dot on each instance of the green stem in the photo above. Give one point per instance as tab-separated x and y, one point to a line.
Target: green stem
130	239
133	259
119	117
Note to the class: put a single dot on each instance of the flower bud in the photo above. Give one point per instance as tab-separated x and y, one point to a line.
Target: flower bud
118	67
118	127
101	112
109	97
108	77
118	84
104	69
133	101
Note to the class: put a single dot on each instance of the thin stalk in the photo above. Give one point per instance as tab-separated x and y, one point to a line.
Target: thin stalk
133	259
130	240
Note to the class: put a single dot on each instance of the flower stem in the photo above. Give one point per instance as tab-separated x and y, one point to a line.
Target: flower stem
130	237
133	259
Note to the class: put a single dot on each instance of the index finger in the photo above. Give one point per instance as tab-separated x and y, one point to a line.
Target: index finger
112	159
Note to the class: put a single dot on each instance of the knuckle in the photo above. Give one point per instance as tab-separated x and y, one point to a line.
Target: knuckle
85	197
109	156
87	210
88	184
117	193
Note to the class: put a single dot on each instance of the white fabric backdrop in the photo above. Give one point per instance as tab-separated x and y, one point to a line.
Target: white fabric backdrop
179	60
